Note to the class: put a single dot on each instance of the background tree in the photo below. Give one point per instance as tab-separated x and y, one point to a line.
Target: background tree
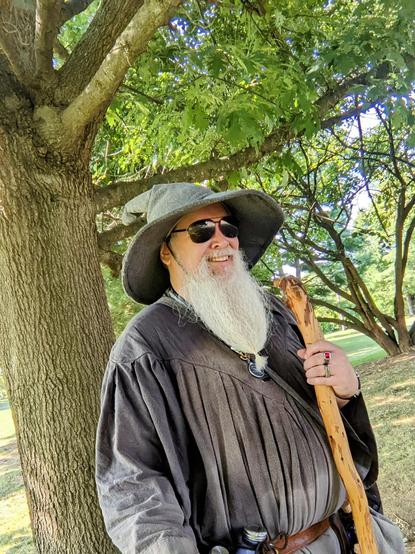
350	255
217	90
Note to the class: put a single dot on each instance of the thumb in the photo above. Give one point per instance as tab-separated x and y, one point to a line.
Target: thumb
301	353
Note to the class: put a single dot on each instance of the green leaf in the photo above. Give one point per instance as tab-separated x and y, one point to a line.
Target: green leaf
234	178
410	141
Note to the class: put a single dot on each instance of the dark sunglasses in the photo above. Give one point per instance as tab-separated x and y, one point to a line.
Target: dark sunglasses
204	229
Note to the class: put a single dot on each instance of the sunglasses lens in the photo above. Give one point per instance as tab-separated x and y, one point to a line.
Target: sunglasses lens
201	231
229	227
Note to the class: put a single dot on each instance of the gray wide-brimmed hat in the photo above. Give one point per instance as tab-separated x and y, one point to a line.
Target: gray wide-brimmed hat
144	277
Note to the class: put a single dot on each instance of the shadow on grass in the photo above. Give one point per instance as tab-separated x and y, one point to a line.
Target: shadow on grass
21	542
7	463
10	483
4	405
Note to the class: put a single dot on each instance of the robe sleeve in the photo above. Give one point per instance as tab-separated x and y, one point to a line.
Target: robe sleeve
137	494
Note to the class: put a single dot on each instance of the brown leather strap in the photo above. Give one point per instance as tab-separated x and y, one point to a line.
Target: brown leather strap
287	545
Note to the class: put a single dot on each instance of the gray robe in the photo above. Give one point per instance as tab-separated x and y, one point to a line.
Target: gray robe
191	447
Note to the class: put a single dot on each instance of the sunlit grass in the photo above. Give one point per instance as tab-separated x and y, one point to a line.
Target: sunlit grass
389	388
15	534
360	348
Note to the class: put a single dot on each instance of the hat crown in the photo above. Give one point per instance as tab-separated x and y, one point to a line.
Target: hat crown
162	200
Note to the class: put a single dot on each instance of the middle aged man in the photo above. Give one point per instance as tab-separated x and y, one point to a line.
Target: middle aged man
208	422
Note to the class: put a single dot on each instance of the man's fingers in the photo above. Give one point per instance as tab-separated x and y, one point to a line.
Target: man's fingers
318	347
319	371
330	381
315	360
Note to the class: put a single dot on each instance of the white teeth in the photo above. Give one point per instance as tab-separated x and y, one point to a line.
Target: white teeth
218	258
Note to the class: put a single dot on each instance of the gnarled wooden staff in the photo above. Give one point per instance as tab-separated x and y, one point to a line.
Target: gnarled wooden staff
298	302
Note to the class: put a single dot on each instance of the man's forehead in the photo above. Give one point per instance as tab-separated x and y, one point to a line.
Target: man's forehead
211	211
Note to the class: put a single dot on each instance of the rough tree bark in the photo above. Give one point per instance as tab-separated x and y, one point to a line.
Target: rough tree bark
56	330
58	334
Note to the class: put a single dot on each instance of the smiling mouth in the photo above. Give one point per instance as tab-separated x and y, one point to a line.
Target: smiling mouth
219	258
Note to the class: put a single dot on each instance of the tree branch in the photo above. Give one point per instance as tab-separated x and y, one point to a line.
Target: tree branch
331	254
312	264
347	323
409	206
109	22
129	88
341	311
60	50
72	8
111	259
13	98
46	31
99	92
407	243
371	154
332	286
120	232
16	40
332	121
120	192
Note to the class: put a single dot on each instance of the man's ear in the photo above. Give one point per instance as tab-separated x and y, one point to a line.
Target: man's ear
165	255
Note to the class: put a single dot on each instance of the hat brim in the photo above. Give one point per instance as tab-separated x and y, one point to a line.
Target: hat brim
259	217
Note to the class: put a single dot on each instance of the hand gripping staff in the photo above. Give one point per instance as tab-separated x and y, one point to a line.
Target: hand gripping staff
296	299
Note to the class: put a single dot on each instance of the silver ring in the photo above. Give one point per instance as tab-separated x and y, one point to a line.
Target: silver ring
327	372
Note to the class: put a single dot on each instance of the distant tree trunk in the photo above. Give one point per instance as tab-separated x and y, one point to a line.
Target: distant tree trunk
393	335
298	268
390	346
280	270
410	298
343	326
55	340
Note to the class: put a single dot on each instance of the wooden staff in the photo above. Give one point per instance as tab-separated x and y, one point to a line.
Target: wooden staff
298	302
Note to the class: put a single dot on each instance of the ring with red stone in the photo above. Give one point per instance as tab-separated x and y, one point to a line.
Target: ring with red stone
327	358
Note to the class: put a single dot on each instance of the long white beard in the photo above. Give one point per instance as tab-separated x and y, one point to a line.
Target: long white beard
231	305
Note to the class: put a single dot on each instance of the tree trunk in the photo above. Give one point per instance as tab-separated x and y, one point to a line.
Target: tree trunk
410	298
55	341
391	347
298	269
412	333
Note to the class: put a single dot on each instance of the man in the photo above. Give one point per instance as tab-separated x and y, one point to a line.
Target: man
208	422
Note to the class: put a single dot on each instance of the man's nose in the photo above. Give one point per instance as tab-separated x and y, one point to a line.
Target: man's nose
219	240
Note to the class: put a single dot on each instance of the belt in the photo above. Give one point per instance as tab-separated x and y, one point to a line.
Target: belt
287	545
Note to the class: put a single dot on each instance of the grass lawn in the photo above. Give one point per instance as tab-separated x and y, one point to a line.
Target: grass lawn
15	534
360	348
389	388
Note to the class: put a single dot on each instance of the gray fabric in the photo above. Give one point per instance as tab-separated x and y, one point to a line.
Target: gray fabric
191	447
144	277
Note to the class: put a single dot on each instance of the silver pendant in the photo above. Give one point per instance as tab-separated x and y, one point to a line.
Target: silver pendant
255	371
